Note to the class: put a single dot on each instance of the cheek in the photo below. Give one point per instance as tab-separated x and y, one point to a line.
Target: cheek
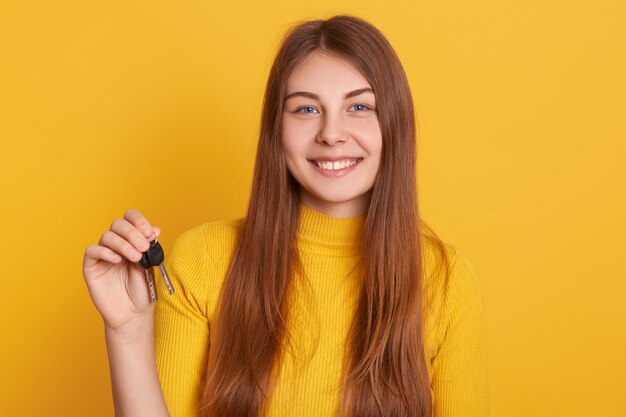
294	141
289	147
299	129
377	138
292	154
369	131
374	144
288	135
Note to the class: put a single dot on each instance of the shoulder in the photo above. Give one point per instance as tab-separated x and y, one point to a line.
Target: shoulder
452	291
451	286
198	257
447	269
204	240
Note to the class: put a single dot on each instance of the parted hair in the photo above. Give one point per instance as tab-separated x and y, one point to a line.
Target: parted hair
385	372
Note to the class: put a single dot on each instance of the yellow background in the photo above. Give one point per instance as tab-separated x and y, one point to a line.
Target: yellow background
107	105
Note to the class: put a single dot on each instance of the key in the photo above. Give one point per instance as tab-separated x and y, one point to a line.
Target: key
151	287
155	257
149	276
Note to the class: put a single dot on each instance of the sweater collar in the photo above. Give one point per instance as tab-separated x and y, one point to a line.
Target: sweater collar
322	230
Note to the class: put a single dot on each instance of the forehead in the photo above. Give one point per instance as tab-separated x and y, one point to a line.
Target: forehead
323	71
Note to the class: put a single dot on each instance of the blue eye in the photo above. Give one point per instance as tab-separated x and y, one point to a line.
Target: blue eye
305	108
361	106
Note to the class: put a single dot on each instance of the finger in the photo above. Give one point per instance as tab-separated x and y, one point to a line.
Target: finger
95	253
129	232
121	246
137	219
156	230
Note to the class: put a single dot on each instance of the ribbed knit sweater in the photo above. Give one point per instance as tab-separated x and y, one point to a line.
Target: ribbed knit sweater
319	320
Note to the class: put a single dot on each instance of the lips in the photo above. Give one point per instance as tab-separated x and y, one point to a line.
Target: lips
337	168
335	164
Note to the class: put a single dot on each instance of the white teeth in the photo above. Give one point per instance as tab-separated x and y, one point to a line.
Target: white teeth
332	166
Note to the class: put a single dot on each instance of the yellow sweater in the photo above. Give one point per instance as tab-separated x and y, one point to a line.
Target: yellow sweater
319	321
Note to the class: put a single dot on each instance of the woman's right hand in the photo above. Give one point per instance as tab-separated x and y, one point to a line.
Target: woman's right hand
116	282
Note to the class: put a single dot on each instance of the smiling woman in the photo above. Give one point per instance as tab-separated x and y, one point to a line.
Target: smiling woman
333	148
330	297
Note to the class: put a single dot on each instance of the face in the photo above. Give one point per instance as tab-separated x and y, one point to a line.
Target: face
331	135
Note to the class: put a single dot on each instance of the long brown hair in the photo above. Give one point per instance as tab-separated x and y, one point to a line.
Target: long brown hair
385	370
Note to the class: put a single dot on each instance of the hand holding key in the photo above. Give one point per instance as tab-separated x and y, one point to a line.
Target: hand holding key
115	279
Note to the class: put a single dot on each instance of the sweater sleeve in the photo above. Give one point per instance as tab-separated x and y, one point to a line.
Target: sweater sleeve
459	380
181	328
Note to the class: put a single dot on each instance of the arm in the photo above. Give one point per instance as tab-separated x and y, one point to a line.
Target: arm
134	379
118	288
459	382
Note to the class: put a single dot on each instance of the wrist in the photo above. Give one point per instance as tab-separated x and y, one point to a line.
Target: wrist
135	330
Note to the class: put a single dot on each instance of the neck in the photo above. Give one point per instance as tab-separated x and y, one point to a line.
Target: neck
328	233
356	207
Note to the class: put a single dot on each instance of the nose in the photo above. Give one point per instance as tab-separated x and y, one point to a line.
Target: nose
331	130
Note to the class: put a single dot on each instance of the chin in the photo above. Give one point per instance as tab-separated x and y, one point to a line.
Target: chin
340	198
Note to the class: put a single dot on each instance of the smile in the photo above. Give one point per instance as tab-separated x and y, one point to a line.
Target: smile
333	169
336	165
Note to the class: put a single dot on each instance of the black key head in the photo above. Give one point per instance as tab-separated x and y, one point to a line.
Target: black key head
155	255
144	260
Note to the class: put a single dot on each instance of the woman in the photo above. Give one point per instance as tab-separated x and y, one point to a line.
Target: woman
329	297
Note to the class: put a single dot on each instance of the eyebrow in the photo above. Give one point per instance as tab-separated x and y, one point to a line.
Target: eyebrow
316	97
